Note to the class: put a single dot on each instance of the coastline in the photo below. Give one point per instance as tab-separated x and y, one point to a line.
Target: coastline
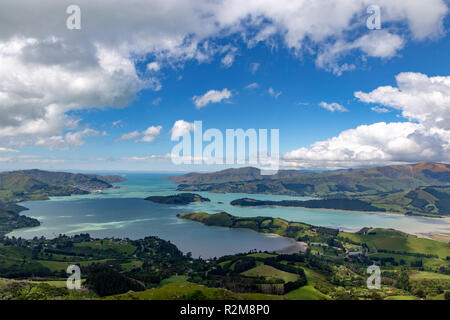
344	210
438	231
295	247
441	237
298	246
47	198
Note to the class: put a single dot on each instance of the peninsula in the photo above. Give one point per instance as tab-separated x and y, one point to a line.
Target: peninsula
182	198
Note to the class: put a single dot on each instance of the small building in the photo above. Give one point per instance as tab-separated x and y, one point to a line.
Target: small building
318	244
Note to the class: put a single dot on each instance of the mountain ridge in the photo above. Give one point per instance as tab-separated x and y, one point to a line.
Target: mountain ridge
351	182
408	189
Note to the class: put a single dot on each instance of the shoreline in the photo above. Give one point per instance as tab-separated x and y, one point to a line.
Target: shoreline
441	237
343	210
295	247
437	234
47	198
312	198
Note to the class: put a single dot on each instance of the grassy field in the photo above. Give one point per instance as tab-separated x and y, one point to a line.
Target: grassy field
423	275
186	291
429	263
270	273
387	239
173	279
62	265
127	266
41	290
55	283
401	298
306	293
261	255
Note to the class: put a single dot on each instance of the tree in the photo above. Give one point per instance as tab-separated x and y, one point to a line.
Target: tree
376	296
106	281
420	293
403	281
447	295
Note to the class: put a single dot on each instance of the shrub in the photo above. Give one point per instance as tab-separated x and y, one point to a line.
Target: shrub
105	281
447	295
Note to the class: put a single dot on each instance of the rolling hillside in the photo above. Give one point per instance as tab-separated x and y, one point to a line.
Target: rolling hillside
433	200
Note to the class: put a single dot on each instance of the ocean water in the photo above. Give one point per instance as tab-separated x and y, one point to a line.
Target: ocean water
124	213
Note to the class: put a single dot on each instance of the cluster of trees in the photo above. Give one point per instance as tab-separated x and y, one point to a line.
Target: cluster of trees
293	285
106	281
411	254
160	259
239	283
244	264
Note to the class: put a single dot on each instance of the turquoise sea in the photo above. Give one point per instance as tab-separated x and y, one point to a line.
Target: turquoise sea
123	213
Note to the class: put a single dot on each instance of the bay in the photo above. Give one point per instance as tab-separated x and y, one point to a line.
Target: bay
124	213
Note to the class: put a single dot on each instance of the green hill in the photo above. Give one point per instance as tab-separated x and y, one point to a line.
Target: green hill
424	201
376	240
432	200
389	240
296	230
191	291
10	218
33	178
182	198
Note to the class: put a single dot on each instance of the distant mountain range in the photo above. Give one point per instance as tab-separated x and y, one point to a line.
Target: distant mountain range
397	188
233	175
17	186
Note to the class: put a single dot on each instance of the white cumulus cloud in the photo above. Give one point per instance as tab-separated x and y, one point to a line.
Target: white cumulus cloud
379	143
333	107
47	71
180	128
212	96
148	135
423	100
419	98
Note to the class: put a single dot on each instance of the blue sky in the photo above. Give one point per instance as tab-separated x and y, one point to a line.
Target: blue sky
299	84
